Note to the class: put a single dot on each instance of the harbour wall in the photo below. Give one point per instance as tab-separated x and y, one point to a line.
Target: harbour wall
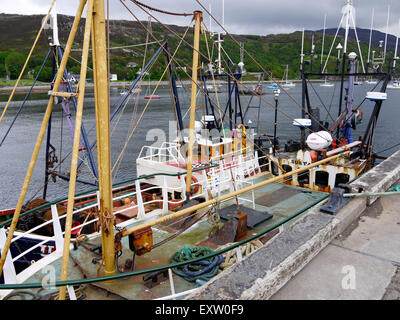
262	273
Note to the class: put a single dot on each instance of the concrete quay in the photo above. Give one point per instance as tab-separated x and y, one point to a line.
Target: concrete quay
352	255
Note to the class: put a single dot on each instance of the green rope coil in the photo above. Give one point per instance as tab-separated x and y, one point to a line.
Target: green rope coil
201	270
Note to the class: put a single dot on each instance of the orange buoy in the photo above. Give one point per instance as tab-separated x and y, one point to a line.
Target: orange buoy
314	155
127	200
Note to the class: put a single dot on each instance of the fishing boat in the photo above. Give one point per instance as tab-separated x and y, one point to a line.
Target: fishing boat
167	232
226	163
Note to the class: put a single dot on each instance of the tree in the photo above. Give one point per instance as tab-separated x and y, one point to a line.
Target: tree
3	56
45	75
14	63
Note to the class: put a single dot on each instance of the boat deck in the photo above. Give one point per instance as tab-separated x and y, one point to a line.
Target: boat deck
279	200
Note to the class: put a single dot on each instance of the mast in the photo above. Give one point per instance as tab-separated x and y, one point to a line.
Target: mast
370	39
223	14
75	149
396	49
209	8
303	94
39	139
347	12
53	15
219	53
386	35
198	17
323	44
102	102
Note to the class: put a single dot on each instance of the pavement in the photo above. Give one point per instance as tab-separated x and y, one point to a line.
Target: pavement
361	263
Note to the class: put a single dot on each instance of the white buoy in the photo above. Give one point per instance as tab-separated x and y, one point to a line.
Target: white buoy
302	123
319	140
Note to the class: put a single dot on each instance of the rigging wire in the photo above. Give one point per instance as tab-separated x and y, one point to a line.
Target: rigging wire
258	64
26	61
119	159
196	84
201	54
328	113
396	145
331	103
121	47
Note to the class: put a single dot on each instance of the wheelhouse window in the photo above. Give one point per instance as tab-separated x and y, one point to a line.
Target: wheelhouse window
322	179
341	178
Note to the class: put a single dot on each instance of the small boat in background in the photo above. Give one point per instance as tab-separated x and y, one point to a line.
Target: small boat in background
288	84
394	85
153	97
213	89
254	91
273	86
327	84
136	90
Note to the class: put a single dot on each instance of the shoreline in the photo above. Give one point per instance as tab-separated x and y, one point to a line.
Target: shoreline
44	88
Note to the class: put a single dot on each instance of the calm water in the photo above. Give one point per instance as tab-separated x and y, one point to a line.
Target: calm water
16	151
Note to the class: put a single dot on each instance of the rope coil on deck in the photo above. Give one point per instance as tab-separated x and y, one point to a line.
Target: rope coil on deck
201	270
230	257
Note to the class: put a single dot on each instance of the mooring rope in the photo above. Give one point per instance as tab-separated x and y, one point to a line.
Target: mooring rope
161	11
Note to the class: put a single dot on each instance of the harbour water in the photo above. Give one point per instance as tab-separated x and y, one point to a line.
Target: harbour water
154	127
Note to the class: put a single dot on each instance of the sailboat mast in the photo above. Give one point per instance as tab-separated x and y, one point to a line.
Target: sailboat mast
302	49
323	44
198	17
386	35
396	49
370	38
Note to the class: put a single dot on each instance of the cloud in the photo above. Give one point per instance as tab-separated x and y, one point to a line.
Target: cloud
245	17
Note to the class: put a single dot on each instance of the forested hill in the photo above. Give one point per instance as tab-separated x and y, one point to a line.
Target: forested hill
273	52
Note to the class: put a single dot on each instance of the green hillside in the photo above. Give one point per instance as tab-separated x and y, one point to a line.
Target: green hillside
273	52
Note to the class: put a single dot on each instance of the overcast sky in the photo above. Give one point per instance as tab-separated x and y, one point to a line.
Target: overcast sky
241	17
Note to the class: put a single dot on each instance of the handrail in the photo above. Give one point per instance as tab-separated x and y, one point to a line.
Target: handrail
164	267
208	185
49	204
88	192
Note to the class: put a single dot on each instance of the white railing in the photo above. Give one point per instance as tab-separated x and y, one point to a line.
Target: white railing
231	173
166	153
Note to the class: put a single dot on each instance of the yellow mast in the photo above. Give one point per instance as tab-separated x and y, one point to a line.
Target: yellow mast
75	149
95	25
41	135
101	76
198	17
